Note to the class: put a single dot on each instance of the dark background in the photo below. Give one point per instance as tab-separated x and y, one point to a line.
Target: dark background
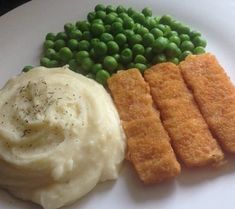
7	5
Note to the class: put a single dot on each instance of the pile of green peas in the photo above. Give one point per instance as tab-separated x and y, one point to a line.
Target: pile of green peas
117	38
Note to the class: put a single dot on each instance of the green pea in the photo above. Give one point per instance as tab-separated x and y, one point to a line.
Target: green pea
106	37
100	14
199	41
135	39
139	18
102	77
48	44
91	16
44	61
148	39
172	50
162	27
94	41
131	11
118	19
128	23
141	67
55	56
140	59
72	44
129	33
194	33
116	27
83	25
138	49
100	49
51	36
53	63
187	46
59	44
157	19
126	56
150	23
68	27
123	15
142	30
86	35
96	67
107	28
172	33
100	7
117	57
114	14
97	21
97	29
147	12
110	9
73	65
92	54
27	68
121	9
83	45
183	29
109	19
166	20
81	56
156	32
87	64
184	37
159	58
76	34
167	30
174	60
149	54
120	39
49	53
113	47
175	25
159	44
65	54
184	55
175	39
110	63
199	50
62	35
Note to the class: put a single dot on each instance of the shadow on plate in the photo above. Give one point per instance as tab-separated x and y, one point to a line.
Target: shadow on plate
190	177
144	193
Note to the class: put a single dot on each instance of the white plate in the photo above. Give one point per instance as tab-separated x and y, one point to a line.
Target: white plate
21	35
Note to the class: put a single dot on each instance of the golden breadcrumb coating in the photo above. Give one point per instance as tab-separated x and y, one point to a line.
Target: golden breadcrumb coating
191	138
215	95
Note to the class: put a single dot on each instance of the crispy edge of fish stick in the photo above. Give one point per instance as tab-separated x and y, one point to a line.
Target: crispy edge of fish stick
215	95
148	148
191	138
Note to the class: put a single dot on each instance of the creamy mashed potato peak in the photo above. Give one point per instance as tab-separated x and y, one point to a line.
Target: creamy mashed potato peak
60	135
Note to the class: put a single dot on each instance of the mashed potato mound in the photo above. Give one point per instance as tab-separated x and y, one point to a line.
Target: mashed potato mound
60	135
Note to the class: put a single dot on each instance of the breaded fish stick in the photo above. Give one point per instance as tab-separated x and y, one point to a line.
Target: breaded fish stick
215	95
191	138
148	147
